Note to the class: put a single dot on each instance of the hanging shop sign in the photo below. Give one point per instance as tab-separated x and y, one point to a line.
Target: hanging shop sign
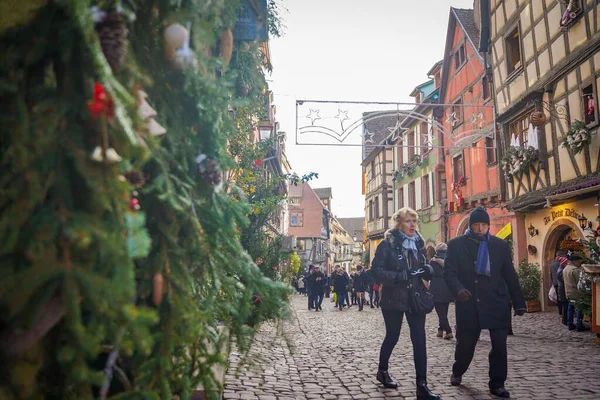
564	213
251	22
505	231
570	244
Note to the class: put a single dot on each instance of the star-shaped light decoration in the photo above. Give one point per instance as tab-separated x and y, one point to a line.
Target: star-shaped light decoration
342	115
427	141
452	119
477	120
313	115
368	136
396	130
481	120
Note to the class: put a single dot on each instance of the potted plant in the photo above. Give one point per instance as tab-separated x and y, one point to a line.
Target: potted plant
530	278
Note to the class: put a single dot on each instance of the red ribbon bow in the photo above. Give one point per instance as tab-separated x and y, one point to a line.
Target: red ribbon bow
102	103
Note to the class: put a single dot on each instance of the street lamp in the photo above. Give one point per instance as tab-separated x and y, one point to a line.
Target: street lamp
532	230
582	221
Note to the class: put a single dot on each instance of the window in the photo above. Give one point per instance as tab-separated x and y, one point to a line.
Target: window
490	151
376	207
512	44
373	169
411	145
400	152
301	244
460	57
458	167
294	200
412	199
486	88
400	197
297	218
519	129
370	210
590	105
443	187
457	111
424	137
425	192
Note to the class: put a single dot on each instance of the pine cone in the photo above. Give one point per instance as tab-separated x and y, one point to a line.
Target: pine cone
135	177
210	172
112	33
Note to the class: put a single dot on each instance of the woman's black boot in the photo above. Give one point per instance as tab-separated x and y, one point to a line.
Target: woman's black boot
386	380
423	392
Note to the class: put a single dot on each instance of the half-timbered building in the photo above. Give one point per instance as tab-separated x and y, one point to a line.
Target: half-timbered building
546	70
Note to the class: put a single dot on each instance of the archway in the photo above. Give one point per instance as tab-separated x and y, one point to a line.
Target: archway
462	225
560	230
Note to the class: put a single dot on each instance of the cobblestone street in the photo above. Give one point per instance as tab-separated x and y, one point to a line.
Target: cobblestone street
333	355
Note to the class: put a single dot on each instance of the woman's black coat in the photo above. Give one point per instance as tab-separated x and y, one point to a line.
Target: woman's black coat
438	288
391	269
489	305
361	282
340	282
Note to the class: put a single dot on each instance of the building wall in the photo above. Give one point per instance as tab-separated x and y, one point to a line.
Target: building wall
481	167
312	210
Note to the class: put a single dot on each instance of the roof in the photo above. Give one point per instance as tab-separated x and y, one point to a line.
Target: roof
352	225
435	66
379	128
466	18
323	193
426	88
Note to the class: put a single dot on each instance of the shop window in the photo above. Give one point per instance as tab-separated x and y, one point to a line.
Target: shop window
460	57
458	167
296	218
512	44
301	244
490	150
425	192
590	105
412	196
519	129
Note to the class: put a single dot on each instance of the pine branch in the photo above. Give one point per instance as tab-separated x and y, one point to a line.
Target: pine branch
110	363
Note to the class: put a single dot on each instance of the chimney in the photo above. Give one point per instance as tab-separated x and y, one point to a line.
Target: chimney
477	13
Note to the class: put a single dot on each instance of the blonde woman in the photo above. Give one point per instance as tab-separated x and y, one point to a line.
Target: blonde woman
400	265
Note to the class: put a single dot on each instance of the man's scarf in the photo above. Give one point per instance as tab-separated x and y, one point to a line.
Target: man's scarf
482	265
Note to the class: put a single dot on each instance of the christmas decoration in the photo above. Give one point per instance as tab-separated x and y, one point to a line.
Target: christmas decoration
577	137
101	103
158	284
112	157
518	159
175	37
135	177
147	114
538	118
258	162
134	203
112	32
209	170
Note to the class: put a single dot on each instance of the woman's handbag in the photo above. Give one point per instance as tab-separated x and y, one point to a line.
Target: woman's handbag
422	301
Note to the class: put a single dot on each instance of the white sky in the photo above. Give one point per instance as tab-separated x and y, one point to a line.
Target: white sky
361	50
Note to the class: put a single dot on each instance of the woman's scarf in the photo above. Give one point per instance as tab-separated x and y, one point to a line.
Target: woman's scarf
409	243
482	265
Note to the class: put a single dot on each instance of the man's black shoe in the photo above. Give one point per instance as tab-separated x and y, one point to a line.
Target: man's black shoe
386	380
455	380
500	392
423	392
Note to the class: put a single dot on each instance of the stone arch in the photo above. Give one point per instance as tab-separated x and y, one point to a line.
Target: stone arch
555	231
462	225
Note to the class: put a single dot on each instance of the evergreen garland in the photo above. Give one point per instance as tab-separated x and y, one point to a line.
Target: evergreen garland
98	299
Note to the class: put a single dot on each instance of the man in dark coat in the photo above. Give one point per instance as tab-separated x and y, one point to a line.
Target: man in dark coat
309	287
481	276
316	281
441	294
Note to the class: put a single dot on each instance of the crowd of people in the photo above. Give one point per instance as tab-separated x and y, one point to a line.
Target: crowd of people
474	270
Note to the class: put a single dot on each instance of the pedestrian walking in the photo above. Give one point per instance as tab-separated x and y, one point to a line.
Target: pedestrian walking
309	287
317	280
400	266
340	284
554	266
361	282
561	293
481	276
572	275
442	296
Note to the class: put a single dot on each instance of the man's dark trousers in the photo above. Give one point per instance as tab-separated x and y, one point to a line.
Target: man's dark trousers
311	298
466	340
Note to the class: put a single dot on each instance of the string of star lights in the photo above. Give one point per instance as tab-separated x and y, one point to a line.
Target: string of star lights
332	122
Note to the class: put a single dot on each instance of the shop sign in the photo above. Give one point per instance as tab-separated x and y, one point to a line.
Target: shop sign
564	213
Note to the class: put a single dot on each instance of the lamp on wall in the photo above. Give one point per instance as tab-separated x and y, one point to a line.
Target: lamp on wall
582	221
532	231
